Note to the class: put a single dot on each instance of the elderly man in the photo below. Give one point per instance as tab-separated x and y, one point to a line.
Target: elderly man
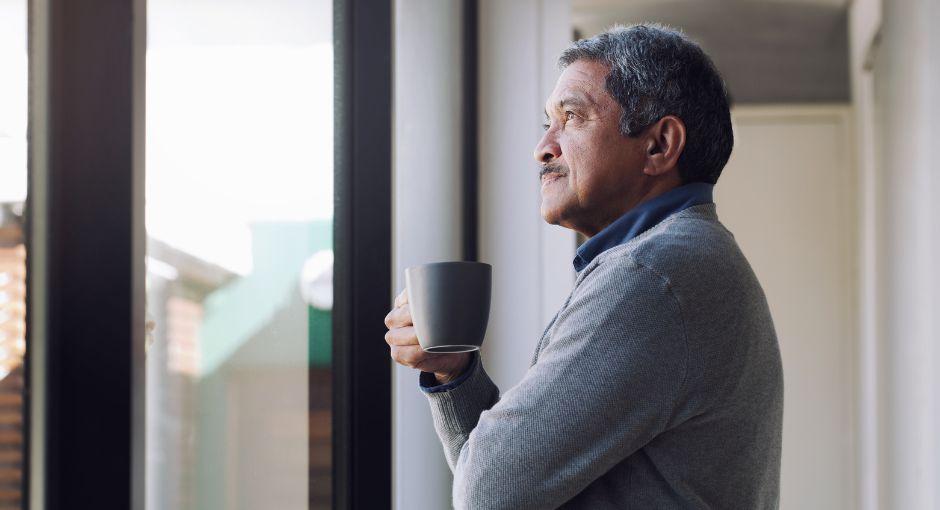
659	383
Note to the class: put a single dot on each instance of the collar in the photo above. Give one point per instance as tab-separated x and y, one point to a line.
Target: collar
639	219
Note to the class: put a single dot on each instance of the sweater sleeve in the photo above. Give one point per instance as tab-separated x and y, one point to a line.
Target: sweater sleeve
428	383
604	385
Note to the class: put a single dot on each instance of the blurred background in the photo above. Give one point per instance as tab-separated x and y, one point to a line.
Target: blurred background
831	192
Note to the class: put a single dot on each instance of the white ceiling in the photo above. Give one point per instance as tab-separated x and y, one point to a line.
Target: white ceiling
620	3
768	51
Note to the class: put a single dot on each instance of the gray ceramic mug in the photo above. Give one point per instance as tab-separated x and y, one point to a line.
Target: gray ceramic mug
450	304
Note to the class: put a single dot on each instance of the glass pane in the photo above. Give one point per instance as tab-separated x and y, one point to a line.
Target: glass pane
13	106
239	201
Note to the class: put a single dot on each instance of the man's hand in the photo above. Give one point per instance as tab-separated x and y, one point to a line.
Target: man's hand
406	350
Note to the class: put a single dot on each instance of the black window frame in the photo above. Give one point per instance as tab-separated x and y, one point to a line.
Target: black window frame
85	255
362	272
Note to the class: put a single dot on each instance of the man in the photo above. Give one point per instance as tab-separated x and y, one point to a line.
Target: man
658	384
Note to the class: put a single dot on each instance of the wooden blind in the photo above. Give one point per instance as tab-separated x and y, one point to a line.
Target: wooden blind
12	348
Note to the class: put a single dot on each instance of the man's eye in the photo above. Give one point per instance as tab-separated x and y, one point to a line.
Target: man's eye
545	127
569	115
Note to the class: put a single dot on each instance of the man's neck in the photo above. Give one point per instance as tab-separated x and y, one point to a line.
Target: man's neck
619	208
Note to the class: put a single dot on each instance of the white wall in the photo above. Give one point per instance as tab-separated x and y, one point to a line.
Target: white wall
905	130
864	24
788	196
896	79
532	272
427	215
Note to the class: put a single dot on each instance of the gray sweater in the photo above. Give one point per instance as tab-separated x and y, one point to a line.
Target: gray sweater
657	385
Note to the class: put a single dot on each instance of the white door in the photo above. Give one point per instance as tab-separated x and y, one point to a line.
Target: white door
788	195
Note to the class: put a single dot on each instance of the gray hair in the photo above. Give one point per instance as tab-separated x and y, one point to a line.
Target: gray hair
657	71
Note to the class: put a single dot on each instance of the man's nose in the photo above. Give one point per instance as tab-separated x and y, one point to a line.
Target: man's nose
547	148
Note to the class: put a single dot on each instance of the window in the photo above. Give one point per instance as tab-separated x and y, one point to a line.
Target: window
239	206
194	342
13	101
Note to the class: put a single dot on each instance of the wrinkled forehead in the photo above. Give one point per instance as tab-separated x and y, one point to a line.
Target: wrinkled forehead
583	82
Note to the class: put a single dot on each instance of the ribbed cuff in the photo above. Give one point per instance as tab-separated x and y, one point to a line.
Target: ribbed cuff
428	382
456	411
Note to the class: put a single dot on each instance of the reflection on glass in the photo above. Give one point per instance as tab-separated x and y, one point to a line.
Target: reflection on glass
239	254
13	108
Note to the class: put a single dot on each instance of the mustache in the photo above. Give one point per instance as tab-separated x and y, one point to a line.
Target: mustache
556	168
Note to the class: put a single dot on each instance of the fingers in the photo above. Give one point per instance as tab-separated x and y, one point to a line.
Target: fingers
411	356
401	298
399	317
401	336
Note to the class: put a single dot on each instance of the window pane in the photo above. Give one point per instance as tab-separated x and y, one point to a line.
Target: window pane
13	106
239	203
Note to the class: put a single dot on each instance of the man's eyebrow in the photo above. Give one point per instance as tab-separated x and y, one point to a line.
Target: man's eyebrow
571	101
574	101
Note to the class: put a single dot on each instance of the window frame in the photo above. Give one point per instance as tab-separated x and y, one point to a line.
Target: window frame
86	247
362	242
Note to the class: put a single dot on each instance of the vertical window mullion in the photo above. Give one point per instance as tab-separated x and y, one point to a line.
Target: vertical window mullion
85	218
362	268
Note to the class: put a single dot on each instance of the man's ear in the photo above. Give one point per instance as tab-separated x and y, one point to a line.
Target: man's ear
665	140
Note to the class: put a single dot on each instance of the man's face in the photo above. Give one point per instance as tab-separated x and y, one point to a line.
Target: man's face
588	167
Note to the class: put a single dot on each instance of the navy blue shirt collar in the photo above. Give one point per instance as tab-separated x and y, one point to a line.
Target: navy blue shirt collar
639	219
